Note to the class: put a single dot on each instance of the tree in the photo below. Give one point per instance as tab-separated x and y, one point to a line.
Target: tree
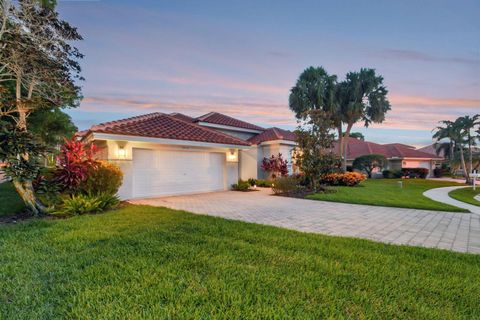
51	126
369	162
356	135
39	63
468	124
315	155
453	131
361	97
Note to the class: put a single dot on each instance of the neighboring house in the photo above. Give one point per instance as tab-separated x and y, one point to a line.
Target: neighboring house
398	155
169	154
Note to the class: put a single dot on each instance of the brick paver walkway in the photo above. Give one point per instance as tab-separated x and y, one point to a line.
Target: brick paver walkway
445	230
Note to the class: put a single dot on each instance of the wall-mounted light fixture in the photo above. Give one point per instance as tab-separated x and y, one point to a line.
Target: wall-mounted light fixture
232	155
121	152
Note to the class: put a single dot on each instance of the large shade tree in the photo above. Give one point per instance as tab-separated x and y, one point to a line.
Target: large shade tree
39	70
468	124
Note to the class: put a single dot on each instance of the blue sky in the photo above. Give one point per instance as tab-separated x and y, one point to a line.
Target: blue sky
242	57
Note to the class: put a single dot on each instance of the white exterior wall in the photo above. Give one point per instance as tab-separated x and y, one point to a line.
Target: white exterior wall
248	162
274	148
237	134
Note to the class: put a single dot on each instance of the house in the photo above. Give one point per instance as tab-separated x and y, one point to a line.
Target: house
398	155
169	154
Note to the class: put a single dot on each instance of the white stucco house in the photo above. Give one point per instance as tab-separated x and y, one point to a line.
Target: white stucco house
170	154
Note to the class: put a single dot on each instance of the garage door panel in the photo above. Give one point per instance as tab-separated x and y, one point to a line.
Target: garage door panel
167	172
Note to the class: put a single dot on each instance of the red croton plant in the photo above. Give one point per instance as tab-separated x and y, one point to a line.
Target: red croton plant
73	163
276	165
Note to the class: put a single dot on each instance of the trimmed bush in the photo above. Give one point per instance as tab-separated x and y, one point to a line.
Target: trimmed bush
241	186
104	177
415	173
348	179
260	183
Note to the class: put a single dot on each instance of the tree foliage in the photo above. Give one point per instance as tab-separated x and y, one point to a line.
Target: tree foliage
39	70
369	162
315	155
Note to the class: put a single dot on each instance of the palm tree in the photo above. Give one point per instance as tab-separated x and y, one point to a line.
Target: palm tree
453	130
468	124
362	97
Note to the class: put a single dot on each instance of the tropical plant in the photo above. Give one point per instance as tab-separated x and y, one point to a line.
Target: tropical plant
357	135
38	70
275	165
288	185
369	162
74	163
241	186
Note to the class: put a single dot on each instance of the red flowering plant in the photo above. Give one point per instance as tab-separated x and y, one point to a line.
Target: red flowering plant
73	164
275	165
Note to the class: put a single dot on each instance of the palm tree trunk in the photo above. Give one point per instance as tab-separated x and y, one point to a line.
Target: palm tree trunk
470	157
464	169
345	145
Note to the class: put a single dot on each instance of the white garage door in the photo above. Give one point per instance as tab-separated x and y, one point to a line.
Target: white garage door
168	172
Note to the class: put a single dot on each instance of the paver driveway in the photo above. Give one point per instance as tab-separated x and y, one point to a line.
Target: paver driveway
445	230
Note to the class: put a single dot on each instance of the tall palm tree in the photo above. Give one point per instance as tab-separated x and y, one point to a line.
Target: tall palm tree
453	130
468	125
362	97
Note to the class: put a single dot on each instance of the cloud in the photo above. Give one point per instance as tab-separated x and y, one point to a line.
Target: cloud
433	102
413	55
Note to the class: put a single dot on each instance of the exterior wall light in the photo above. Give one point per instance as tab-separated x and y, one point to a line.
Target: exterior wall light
121	152
232	155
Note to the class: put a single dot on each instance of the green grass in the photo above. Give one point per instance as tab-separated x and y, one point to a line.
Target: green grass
386	192
466	195
146	262
10	201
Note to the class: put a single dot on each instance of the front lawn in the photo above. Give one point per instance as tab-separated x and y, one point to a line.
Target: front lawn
10	201
146	262
466	195
386	192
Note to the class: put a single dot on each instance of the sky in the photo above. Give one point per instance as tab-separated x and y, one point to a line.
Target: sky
241	58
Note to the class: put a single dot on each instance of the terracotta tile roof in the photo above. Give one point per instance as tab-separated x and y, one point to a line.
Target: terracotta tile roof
272	134
182	116
357	148
221	119
160	125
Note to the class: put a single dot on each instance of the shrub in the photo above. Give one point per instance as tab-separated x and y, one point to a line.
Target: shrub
287	185
83	204
275	165
415	173
438	172
73	164
260	183
387	174
79	204
241	186
104	177
348	179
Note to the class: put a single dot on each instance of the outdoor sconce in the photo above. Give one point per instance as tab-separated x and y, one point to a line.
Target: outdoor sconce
232	155
121	152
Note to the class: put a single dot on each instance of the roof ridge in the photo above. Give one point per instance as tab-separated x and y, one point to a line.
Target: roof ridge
104	125
206	115
206	128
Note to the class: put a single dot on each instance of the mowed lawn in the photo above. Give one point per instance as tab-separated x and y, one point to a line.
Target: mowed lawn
466	195
10	202
386	192
148	262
